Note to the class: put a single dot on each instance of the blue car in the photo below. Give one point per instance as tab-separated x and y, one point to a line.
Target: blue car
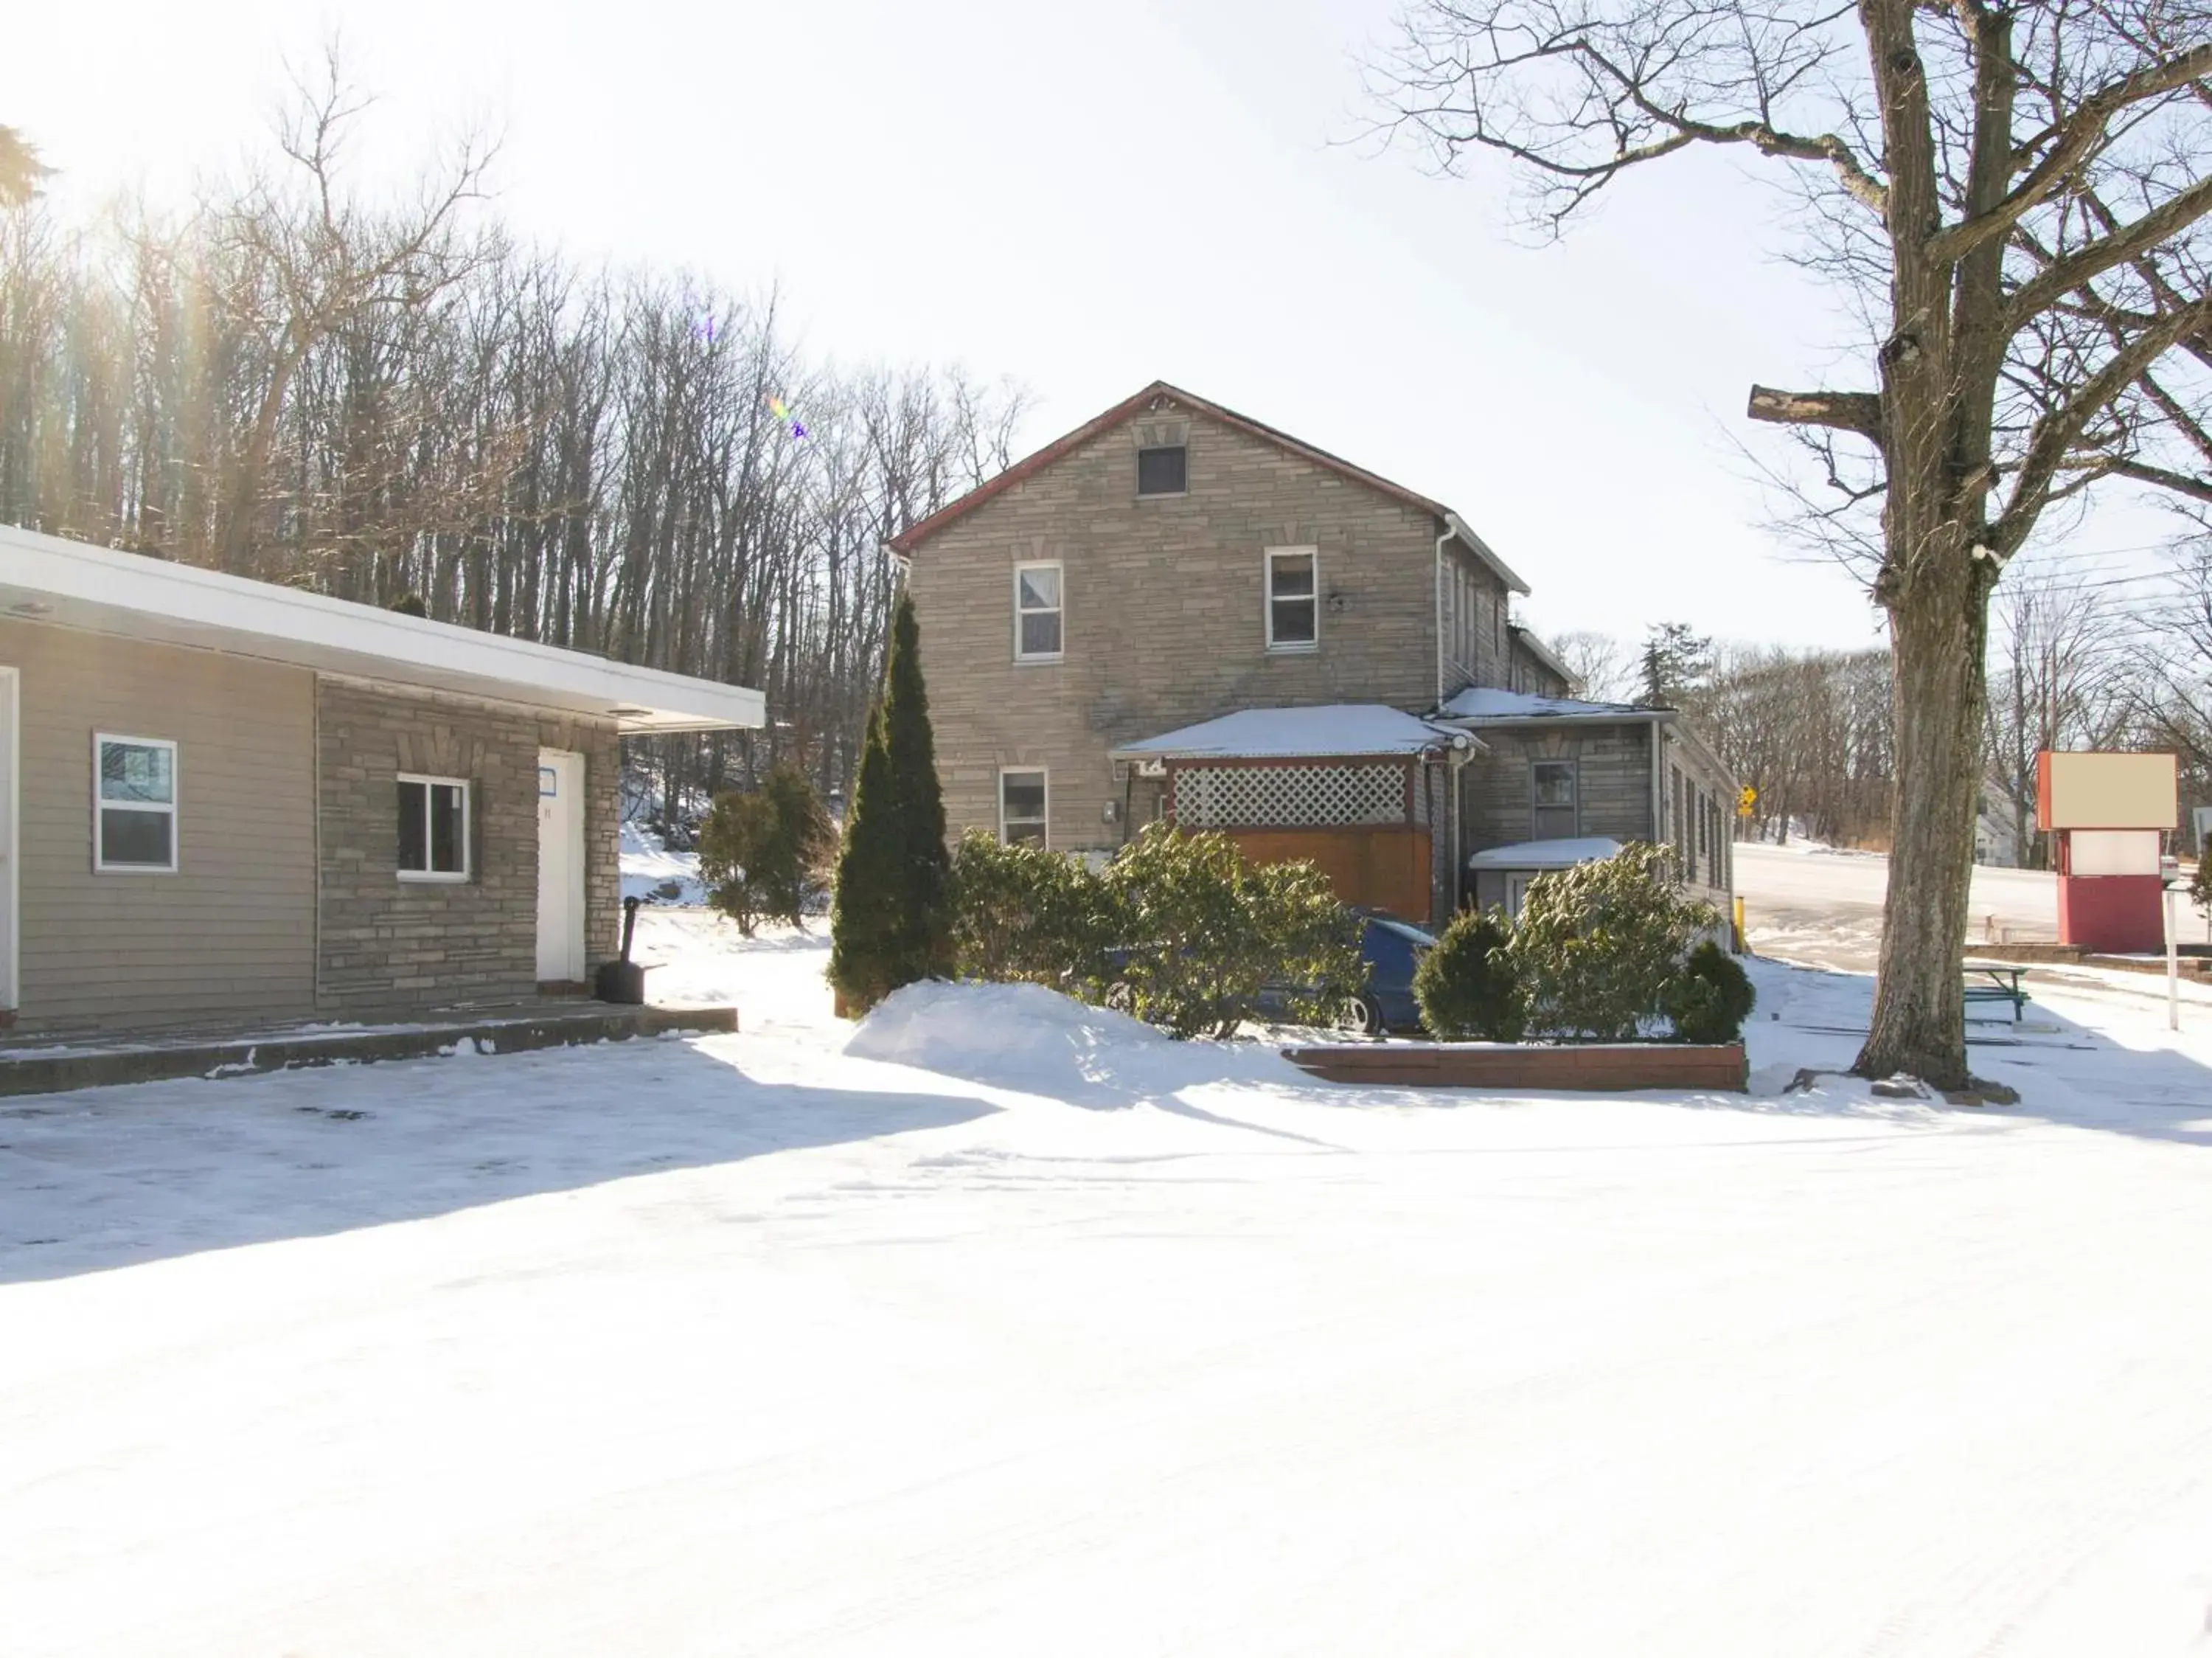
1391	948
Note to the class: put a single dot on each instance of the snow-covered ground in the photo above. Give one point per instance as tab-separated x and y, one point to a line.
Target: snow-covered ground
1823	905
997	1326
649	870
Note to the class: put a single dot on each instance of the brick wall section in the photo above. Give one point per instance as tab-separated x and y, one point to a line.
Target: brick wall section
1164	622
383	942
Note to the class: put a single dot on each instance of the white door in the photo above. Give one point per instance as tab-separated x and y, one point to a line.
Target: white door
11	689
560	867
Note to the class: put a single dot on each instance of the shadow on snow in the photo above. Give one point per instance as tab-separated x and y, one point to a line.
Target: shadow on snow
113	1177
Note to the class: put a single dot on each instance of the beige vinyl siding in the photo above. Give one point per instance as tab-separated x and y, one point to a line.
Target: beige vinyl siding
232	932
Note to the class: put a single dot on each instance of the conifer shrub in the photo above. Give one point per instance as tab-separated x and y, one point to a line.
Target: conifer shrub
1709	999
762	850
1467	987
890	918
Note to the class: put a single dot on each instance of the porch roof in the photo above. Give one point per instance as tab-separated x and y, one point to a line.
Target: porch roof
57	583
1336	730
1485	705
1545	854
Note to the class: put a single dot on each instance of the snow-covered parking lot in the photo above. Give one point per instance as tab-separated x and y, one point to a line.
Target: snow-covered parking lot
997	1328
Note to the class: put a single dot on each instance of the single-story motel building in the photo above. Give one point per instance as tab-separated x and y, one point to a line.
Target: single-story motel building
224	799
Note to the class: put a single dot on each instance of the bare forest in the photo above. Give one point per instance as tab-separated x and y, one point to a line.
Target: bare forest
395	401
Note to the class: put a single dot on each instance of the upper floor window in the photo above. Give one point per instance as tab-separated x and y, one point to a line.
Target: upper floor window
1022	807
1161	471
1037	612
134	799
433	828
1554	808
1293	599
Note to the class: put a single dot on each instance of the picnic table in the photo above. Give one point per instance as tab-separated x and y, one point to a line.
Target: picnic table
1996	981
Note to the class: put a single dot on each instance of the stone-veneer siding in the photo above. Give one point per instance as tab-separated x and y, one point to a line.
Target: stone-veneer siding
383	942
1165	620
1613	766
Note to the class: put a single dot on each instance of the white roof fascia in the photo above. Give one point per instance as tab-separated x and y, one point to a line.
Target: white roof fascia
1481	549
59	582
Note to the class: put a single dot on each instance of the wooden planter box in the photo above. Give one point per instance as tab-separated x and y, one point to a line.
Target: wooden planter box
1592	1067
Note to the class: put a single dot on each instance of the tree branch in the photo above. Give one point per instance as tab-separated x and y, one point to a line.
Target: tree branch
2076	139
2056	434
1845	411
2163	222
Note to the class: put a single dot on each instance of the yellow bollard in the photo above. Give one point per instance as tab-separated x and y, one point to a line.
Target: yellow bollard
1738	923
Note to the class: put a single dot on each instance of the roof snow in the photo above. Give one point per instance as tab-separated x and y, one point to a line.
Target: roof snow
1337	728
1545	854
1483	702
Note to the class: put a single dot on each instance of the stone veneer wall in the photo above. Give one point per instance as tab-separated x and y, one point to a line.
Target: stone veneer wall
1164	618
383	942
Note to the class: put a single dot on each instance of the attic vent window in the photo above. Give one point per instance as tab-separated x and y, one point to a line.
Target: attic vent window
1161	471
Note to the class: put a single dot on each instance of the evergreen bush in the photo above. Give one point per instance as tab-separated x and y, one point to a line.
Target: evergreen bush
760	852
1597	945
1467	986
890	918
1709	998
1024	913
1204	931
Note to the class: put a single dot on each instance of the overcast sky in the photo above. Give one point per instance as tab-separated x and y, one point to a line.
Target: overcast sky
1087	199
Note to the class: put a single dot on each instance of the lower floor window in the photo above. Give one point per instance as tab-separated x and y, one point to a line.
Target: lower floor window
135	802
434	829
1022	807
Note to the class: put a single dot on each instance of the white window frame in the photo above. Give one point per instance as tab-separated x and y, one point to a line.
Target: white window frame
1289	647
1045	823
1536	806
1058	567
99	863
442	877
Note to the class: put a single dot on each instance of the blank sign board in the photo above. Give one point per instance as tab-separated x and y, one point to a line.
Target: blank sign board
2106	791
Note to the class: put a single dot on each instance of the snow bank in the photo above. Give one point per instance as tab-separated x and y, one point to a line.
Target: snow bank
1027	1037
648	866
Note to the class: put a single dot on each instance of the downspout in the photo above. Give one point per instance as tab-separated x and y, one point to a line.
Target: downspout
1460	754
1437	611
1658	786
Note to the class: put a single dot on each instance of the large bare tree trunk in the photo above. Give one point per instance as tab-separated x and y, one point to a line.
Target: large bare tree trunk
1938	692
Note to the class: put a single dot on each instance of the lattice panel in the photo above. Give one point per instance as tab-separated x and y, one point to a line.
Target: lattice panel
1289	796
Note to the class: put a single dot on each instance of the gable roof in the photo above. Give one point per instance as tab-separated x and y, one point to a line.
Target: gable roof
1152	396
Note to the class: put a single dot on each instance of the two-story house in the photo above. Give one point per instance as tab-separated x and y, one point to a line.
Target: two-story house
1177	611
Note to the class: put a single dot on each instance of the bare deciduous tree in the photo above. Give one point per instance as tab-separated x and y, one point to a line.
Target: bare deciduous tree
391	406
1599	666
2014	198
2059	680
1809	733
